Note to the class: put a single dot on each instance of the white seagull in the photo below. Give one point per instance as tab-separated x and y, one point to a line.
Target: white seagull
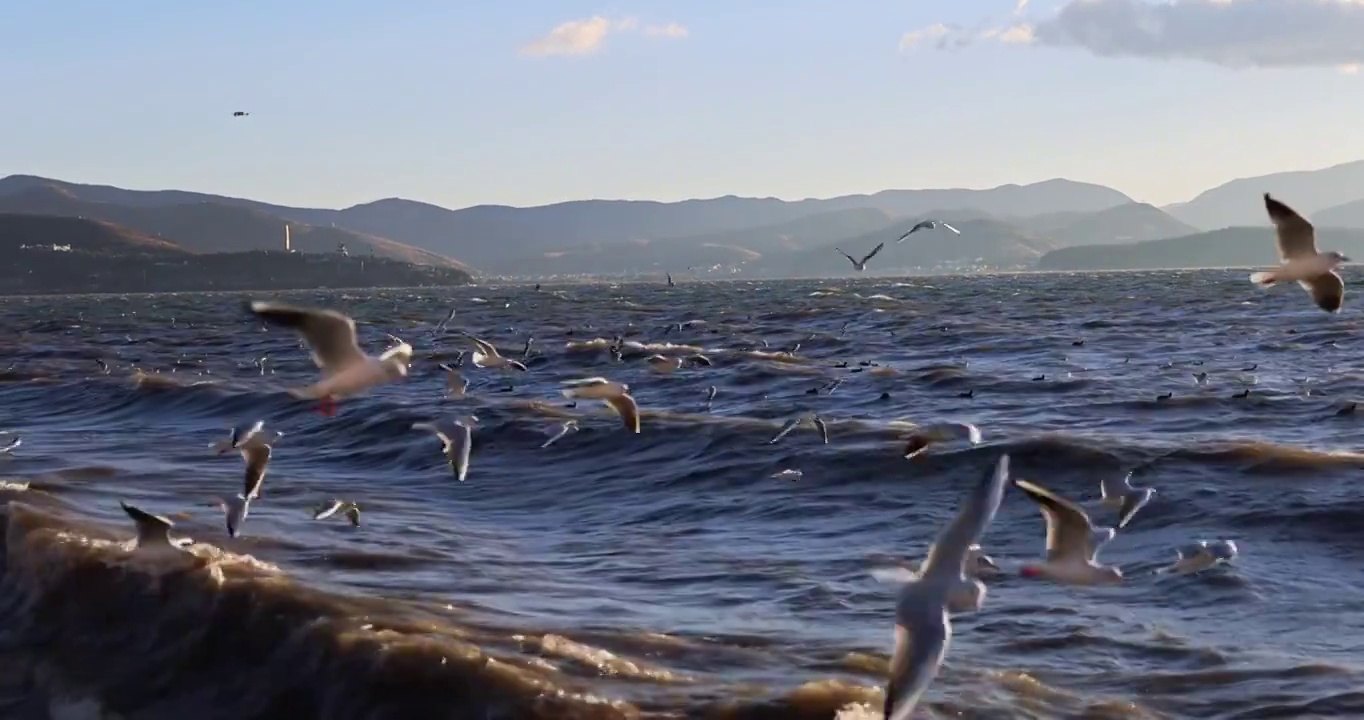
456	437
486	356
567	427
615	395
923	436
1073	542
1315	271
799	420
153	531
1118	494
927	225
923	629
665	364
255	446
334	506
346	369
455	382
860	265
1201	556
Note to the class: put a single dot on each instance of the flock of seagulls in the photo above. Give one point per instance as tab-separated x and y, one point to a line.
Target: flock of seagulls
861	265
949	581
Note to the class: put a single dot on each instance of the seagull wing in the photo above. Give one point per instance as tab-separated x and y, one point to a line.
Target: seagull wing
1328	291
947	558
949	227
1069	532
873	252
257	460
329	334
484	347
1297	238
921	643
786	429
851	259
625	407
1132	501
327	509
457	446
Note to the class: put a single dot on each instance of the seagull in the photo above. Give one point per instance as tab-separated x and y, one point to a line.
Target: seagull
1121	496
567	427
240	113
923	629
927	225
1315	271
103	365
1201	377
978	565
918	442
614	394
1073	542
255	446
665	365
330	335
455	382
710	395
11	445
860	265
1201	556
821	427
440	327
486	356
153	531
456	437
794	423
334	506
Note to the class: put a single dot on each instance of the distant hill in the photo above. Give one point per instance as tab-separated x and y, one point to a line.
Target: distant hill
1131	222
1348	215
746	247
1228	247
55	255
496	238
207	227
1238	203
983	243
22	232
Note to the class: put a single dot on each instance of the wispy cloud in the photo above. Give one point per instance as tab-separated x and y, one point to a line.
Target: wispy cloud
1231	33
672	30
585	37
932	32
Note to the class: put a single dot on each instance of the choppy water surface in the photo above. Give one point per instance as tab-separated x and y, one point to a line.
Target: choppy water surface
667	574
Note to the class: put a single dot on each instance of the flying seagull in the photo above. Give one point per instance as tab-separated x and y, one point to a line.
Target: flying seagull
455	382
927	225
1315	271
923	629
240	113
255	446
153	531
860	265
1121	496
334	506
1073	542
614	394
567	427
456	437
1201	556
486	356
330	335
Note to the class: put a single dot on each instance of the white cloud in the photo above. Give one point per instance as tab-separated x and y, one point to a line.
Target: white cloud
1232	33
585	37
932	32
672	30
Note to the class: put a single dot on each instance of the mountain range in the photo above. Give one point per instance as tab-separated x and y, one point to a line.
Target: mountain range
1011	226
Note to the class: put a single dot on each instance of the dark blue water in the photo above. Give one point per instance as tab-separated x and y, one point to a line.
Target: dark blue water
667	573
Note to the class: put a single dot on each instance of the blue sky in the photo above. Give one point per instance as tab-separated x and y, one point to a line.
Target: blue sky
462	103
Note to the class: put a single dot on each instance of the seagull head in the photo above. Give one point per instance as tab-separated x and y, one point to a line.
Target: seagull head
1337	257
